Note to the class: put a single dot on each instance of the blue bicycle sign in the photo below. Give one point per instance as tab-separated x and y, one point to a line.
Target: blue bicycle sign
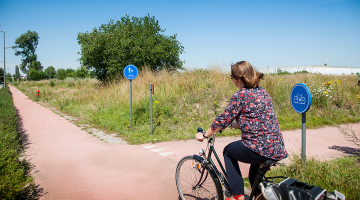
300	98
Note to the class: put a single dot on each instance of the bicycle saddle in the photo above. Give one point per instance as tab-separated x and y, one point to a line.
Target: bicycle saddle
267	163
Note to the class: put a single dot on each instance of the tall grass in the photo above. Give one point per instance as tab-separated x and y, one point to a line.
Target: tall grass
186	100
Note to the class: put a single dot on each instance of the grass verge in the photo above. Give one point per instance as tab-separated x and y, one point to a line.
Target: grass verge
186	100
15	180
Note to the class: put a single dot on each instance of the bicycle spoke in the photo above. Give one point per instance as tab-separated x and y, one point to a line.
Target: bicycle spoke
211	194
190	185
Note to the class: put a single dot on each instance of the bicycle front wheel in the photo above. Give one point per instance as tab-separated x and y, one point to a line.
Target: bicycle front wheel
189	185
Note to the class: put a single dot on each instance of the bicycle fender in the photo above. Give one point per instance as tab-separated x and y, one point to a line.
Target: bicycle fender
197	157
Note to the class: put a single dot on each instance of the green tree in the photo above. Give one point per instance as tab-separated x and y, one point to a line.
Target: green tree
17	72
61	74
8	78
36	75
138	41
27	42
50	71
81	72
70	71
71	74
35	64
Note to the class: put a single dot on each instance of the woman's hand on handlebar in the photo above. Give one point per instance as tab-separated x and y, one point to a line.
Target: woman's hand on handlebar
199	136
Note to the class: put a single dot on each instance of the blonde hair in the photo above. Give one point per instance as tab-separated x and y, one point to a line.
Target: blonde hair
246	72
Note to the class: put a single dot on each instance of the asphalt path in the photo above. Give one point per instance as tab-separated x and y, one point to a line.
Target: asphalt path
69	163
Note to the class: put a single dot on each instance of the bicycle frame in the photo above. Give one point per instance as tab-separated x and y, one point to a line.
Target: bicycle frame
210	163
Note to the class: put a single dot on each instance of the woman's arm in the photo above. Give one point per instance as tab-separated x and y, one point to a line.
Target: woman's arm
199	136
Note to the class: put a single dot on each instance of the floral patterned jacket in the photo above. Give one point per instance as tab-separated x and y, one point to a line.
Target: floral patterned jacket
253	110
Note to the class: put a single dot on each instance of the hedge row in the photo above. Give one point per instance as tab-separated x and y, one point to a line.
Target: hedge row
14	177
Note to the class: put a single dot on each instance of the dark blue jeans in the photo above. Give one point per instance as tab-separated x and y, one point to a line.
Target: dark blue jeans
233	153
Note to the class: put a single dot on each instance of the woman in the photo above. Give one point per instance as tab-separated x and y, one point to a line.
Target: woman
251	108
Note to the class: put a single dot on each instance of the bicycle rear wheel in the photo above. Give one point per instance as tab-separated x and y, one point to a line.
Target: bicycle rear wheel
260	197
189	185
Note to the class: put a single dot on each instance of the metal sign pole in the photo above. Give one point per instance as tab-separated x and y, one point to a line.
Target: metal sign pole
130	105
4	62
301	101
130	72
151	111
303	139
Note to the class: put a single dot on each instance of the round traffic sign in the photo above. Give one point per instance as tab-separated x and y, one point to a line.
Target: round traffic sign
130	72
300	98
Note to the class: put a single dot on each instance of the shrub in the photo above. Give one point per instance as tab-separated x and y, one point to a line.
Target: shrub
37	75
14	180
51	83
61	74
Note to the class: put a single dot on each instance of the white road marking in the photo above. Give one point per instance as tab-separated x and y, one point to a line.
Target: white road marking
148	147
166	154
156	150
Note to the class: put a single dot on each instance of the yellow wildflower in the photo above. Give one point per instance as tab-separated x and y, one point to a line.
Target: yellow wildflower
358	96
326	92
214	102
281	79
156	102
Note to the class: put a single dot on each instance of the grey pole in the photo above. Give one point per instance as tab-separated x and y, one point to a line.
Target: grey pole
303	139
130	105
151	106
4	62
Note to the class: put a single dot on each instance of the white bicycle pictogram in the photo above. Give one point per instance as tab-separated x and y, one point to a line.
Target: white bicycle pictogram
299	99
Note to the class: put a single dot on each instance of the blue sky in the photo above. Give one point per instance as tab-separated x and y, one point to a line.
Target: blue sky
274	33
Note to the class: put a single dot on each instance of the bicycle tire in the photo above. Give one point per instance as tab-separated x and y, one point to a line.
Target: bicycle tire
260	197
188	172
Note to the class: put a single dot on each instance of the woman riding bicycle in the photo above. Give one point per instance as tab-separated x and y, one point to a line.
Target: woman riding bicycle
251	107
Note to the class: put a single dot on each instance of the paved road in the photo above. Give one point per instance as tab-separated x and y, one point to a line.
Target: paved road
69	163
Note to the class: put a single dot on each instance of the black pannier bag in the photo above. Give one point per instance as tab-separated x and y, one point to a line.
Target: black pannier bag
291	189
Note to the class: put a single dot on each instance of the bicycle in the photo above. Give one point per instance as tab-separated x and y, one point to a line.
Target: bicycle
197	177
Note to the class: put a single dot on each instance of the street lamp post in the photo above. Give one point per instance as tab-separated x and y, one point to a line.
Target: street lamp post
4	59
4	62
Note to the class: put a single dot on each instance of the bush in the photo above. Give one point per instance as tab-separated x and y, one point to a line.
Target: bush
14	180
61	74
280	72
81	72
51	83
36	75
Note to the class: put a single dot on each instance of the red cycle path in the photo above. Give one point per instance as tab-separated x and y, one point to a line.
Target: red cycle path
69	163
